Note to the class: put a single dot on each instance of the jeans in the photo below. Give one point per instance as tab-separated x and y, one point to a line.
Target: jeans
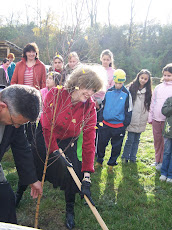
131	146
166	168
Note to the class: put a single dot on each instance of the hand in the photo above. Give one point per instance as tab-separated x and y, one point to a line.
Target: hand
59	155
85	190
36	189
97	105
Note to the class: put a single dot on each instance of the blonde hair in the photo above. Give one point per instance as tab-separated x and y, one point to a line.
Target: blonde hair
11	55
73	54
87	77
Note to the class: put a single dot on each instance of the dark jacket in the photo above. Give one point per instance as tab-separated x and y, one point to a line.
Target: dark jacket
21	151
3	80
167	111
25	167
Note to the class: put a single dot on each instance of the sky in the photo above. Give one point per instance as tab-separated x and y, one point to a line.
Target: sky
160	10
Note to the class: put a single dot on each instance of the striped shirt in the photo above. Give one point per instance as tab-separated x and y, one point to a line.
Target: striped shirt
28	76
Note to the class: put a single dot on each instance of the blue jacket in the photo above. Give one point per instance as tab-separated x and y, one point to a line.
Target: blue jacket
117	106
11	70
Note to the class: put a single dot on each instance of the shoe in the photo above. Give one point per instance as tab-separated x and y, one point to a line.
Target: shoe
158	167
70	223
98	165
154	164
163	178
132	161
110	168
169	180
124	160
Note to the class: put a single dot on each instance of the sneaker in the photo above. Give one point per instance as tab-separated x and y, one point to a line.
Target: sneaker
124	160
110	169
154	164
169	180
158	167
132	161
97	165
163	178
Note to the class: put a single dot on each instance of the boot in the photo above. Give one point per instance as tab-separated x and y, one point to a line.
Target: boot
19	193
70	223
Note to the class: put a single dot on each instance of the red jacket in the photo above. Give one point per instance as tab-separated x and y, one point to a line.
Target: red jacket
39	74
69	120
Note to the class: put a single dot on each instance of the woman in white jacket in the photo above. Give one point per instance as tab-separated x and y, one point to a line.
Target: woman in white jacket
141	92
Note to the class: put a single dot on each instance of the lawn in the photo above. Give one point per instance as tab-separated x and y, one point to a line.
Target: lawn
131	197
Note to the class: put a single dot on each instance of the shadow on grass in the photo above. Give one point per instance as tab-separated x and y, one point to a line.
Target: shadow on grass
131	200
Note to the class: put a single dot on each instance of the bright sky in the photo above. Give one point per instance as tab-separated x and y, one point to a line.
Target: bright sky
160	10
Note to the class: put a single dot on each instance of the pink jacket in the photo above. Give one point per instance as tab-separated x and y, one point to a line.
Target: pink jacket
160	94
99	96
44	92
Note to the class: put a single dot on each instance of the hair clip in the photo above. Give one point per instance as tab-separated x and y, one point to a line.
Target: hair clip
101	124
59	86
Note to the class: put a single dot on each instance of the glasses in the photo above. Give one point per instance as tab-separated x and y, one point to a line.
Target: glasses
14	123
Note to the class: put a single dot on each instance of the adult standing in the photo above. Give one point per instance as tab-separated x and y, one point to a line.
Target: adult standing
4	78
18	105
30	70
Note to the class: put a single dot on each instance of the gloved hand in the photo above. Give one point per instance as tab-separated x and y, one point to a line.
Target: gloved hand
56	155
85	190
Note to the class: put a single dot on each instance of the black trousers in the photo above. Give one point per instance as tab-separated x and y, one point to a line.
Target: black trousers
7	204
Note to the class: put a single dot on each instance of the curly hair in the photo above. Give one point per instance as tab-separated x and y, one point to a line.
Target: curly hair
88	77
134	87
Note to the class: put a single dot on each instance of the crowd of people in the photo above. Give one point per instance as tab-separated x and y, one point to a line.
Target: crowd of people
78	109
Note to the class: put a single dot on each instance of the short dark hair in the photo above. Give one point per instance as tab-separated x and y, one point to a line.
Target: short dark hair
31	47
56	77
5	60
22	99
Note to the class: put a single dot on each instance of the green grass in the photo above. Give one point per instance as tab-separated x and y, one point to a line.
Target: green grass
132	197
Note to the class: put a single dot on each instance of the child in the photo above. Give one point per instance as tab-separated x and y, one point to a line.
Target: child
4	78
166	169
107	60
160	94
58	66
117	116
12	65
141	93
52	80
73	62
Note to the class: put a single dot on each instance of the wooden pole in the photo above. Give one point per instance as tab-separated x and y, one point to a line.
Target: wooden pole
92	207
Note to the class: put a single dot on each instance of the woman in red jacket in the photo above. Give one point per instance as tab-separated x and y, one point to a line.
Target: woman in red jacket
30	70
75	112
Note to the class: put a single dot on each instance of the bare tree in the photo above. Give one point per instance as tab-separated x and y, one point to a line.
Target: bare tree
109	13
92	10
146	20
130	37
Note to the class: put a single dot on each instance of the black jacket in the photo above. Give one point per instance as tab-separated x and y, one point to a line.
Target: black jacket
22	153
